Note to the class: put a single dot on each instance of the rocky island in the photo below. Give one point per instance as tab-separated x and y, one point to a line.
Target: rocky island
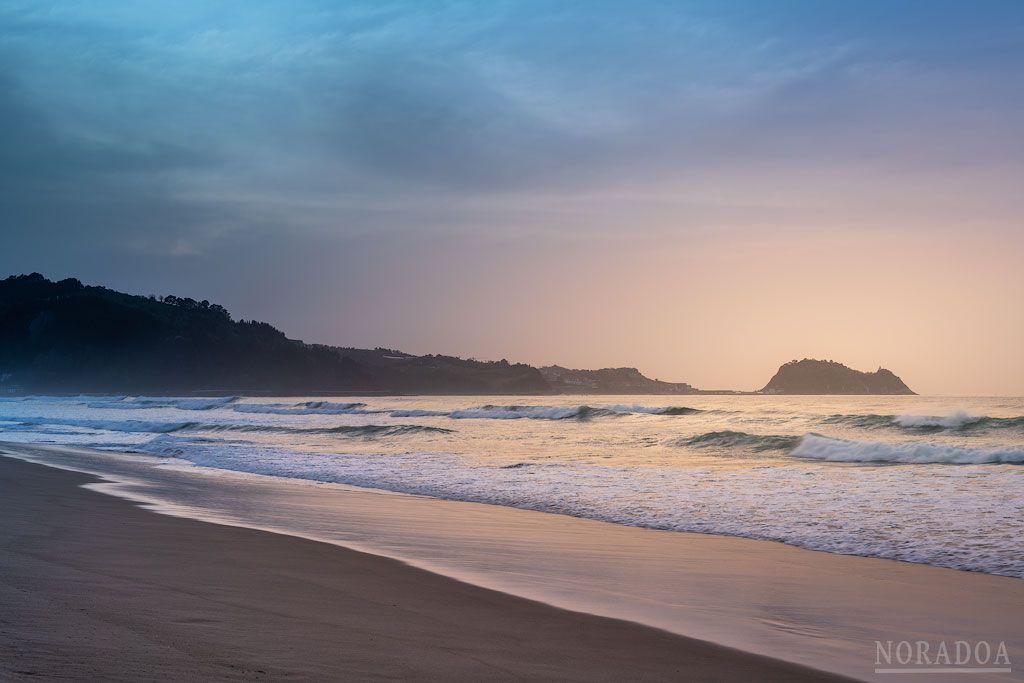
809	376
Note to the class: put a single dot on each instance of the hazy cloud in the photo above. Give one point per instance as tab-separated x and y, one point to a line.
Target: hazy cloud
191	144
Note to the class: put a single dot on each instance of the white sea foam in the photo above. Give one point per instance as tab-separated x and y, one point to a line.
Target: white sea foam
60	425
305	408
140	426
203	403
510	412
153	403
524	412
531	412
417	412
816	447
722	466
955	420
653	410
833	509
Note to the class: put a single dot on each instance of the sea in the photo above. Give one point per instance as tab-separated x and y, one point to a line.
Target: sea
933	480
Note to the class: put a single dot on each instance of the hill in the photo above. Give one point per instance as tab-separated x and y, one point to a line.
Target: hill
810	376
609	381
64	336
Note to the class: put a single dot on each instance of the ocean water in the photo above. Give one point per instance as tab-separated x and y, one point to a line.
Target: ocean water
931	480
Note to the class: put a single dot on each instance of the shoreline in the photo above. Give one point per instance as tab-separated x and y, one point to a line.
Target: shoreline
97	587
814	608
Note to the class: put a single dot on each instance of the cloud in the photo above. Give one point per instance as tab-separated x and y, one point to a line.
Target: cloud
342	108
198	145
64	192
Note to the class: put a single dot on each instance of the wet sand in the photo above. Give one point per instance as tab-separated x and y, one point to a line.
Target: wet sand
93	587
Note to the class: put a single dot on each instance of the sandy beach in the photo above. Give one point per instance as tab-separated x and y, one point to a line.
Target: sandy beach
476	579
96	588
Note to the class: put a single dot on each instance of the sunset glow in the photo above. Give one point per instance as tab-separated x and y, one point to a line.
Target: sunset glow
702	191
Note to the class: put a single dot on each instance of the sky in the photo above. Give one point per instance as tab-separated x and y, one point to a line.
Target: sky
702	190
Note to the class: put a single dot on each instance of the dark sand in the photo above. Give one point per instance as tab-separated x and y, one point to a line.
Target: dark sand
94	588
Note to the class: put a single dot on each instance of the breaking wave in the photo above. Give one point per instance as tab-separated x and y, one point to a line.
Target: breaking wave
530	412
354	430
817	447
864	421
304	408
731	439
958	420
107	425
494	412
415	412
141	426
668	410
519	412
145	403
678	410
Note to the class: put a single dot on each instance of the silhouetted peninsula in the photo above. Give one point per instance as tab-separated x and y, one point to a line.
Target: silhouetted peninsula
61	337
66	337
810	376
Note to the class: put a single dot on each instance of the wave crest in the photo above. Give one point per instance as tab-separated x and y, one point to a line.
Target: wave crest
677	410
146	403
139	426
107	425
416	412
304	408
817	447
732	439
530	412
519	412
957	420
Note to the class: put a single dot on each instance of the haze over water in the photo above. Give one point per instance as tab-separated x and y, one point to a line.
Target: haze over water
930	480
